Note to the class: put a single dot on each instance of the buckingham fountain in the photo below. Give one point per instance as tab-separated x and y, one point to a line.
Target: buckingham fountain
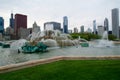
41	41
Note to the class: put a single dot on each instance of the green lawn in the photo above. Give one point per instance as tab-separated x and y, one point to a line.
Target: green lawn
69	70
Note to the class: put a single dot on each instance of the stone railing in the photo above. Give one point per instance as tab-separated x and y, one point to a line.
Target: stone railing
13	67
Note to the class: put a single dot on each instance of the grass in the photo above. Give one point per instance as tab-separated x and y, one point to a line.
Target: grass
68	70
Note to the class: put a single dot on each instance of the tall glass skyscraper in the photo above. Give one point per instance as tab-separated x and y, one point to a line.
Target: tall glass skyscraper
65	24
106	25
115	22
12	21
1	25
94	27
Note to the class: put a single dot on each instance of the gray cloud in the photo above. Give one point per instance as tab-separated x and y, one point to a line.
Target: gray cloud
79	11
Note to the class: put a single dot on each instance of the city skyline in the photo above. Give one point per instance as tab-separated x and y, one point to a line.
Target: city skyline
79	12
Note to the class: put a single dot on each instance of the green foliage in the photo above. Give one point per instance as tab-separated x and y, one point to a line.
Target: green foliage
68	70
111	37
87	36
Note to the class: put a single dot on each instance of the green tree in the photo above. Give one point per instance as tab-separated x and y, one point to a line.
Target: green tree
111	37
87	36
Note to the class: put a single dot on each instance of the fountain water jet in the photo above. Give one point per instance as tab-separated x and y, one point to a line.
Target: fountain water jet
104	42
18	44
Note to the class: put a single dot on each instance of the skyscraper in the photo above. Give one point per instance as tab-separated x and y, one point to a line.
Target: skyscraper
52	26
82	29
75	30
89	30
94	27
65	24
20	21
106	25
100	30
115	22
12	21
1	25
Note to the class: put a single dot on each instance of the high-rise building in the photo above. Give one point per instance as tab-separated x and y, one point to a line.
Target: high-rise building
35	28
106	25
100	30
69	31
12	21
1	25
52	26
75	30
20	22
89	30
94	27
115	22
82	29
9	31
65	24
23	33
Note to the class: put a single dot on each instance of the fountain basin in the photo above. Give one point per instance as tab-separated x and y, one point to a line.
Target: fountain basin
10	56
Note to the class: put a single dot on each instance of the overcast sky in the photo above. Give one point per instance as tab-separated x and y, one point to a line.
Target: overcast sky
79	12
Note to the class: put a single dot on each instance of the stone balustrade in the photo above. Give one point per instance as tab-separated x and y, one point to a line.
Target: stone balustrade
13	67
